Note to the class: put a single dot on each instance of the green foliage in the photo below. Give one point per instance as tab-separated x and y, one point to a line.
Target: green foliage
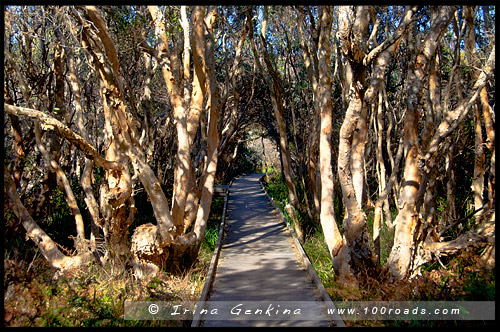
210	239
386	236
441	204
212	231
276	188
480	286
463	278
99	174
269	170
317	252
465	226
60	222
247	161
38	24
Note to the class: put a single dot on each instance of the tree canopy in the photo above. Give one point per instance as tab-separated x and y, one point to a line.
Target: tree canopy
119	121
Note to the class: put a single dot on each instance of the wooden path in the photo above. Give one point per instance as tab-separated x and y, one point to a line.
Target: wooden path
260	268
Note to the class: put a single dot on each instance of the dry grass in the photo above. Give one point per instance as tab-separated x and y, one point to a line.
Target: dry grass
89	296
464	279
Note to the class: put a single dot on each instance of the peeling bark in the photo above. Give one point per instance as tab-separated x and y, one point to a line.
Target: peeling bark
400	258
48	122
80	244
333	238
47	246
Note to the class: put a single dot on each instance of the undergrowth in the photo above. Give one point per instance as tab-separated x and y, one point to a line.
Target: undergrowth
463	277
90	296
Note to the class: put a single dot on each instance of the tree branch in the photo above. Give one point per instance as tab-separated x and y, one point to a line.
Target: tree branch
49	122
405	23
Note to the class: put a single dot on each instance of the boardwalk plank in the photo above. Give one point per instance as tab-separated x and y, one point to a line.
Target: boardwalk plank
258	261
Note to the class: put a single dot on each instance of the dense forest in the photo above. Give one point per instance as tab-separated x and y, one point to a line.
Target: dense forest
119	121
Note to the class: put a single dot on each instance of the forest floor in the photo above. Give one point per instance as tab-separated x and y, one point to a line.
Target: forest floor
462	277
91	296
88	297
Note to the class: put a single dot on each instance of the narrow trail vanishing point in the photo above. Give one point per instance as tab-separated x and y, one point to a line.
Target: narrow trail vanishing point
259	267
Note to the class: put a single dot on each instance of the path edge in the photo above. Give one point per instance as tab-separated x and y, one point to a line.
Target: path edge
310	269
213	263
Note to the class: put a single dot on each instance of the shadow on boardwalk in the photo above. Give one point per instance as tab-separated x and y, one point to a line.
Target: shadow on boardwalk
258	262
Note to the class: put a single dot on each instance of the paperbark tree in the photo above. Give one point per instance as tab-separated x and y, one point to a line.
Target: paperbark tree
273	82
413	243
230	128
353	25
47	246
406	221
482	108
335	241
188	106
153	246
128	111
311	63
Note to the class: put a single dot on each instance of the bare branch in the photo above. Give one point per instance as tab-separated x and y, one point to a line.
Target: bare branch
49	122
47	246
405	23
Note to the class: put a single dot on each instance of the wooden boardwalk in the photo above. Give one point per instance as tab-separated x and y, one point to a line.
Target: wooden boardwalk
259	266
